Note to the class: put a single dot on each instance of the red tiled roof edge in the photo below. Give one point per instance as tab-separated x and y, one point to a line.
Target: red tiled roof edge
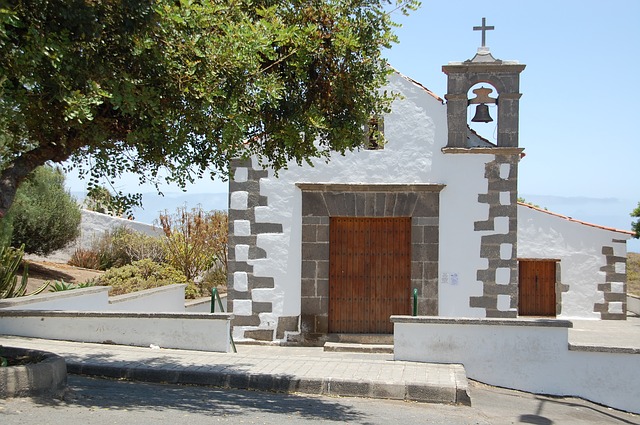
612	229
479	136
411	80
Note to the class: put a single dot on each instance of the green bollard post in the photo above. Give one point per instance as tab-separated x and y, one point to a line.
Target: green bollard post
213	300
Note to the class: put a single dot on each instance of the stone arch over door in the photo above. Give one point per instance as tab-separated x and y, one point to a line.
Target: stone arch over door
420	202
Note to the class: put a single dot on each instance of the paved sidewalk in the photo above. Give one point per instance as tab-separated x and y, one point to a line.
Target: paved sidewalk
617	336
267	368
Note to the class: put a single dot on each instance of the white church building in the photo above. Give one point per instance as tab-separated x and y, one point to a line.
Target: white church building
339	247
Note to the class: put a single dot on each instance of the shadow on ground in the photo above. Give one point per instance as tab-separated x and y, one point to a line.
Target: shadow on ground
131	396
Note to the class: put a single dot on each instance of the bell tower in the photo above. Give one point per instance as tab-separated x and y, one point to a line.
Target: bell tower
504	76
498	231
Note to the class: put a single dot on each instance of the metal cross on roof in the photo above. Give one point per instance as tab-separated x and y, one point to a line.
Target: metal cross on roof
484	28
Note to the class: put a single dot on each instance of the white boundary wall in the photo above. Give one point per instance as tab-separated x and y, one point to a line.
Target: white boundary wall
528	355
165	299
633	304
95	298
154	316
92	226
168	298
187	331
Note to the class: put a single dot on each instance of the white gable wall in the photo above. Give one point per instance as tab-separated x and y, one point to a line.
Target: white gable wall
579	248
416	131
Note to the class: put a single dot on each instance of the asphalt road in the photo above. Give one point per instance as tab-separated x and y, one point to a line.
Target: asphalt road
97	401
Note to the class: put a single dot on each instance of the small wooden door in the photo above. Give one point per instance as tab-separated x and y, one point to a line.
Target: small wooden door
537	288
369	273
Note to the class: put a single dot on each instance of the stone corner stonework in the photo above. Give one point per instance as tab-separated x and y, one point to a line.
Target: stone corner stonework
614	290
500	249
244	197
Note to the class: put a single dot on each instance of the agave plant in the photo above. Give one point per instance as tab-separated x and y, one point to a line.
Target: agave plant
10	260
61	285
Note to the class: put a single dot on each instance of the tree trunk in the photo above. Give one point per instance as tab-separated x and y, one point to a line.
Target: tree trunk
10	179
21	167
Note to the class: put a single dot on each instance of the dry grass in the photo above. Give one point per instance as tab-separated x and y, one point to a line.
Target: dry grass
633	273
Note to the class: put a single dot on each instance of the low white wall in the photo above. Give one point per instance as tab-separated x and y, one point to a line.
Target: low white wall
164	299
524	354
187	331
95	298
633	304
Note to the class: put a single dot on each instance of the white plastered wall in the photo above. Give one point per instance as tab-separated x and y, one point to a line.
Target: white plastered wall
416	131
579	249
459	257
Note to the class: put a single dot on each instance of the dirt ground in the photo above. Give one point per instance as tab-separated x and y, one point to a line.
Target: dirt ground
41	271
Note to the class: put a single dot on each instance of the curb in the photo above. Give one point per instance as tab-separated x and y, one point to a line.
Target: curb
358	348
456	394
47	377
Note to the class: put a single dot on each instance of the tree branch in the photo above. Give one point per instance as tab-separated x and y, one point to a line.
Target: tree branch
18	170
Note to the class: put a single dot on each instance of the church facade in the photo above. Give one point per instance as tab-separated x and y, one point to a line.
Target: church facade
431	216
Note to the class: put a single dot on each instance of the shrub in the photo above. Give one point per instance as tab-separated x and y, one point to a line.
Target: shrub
44	216
143	274
117	248
85	258
635	225
136	246
108	249
196	241
215	277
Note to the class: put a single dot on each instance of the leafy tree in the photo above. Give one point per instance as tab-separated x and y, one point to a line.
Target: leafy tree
183	86
100	199
44	216
635	225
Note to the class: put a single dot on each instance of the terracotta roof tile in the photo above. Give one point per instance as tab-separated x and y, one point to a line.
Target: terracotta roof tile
411	80
612	229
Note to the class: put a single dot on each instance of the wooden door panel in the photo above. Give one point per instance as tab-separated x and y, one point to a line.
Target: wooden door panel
369	273
537	288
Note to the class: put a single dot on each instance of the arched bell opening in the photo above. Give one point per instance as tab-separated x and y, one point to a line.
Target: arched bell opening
482	110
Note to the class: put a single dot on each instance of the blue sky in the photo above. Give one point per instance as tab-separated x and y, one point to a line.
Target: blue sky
578	107
578	112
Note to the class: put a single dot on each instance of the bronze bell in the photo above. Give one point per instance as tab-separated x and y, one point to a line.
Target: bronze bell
482	114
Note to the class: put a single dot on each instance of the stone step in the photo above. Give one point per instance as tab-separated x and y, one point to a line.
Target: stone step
345	347
361	338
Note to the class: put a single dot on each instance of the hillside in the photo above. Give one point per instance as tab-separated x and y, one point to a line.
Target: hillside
633	273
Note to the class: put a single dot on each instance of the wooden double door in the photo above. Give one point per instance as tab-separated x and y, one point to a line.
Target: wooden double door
537	287
369	273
